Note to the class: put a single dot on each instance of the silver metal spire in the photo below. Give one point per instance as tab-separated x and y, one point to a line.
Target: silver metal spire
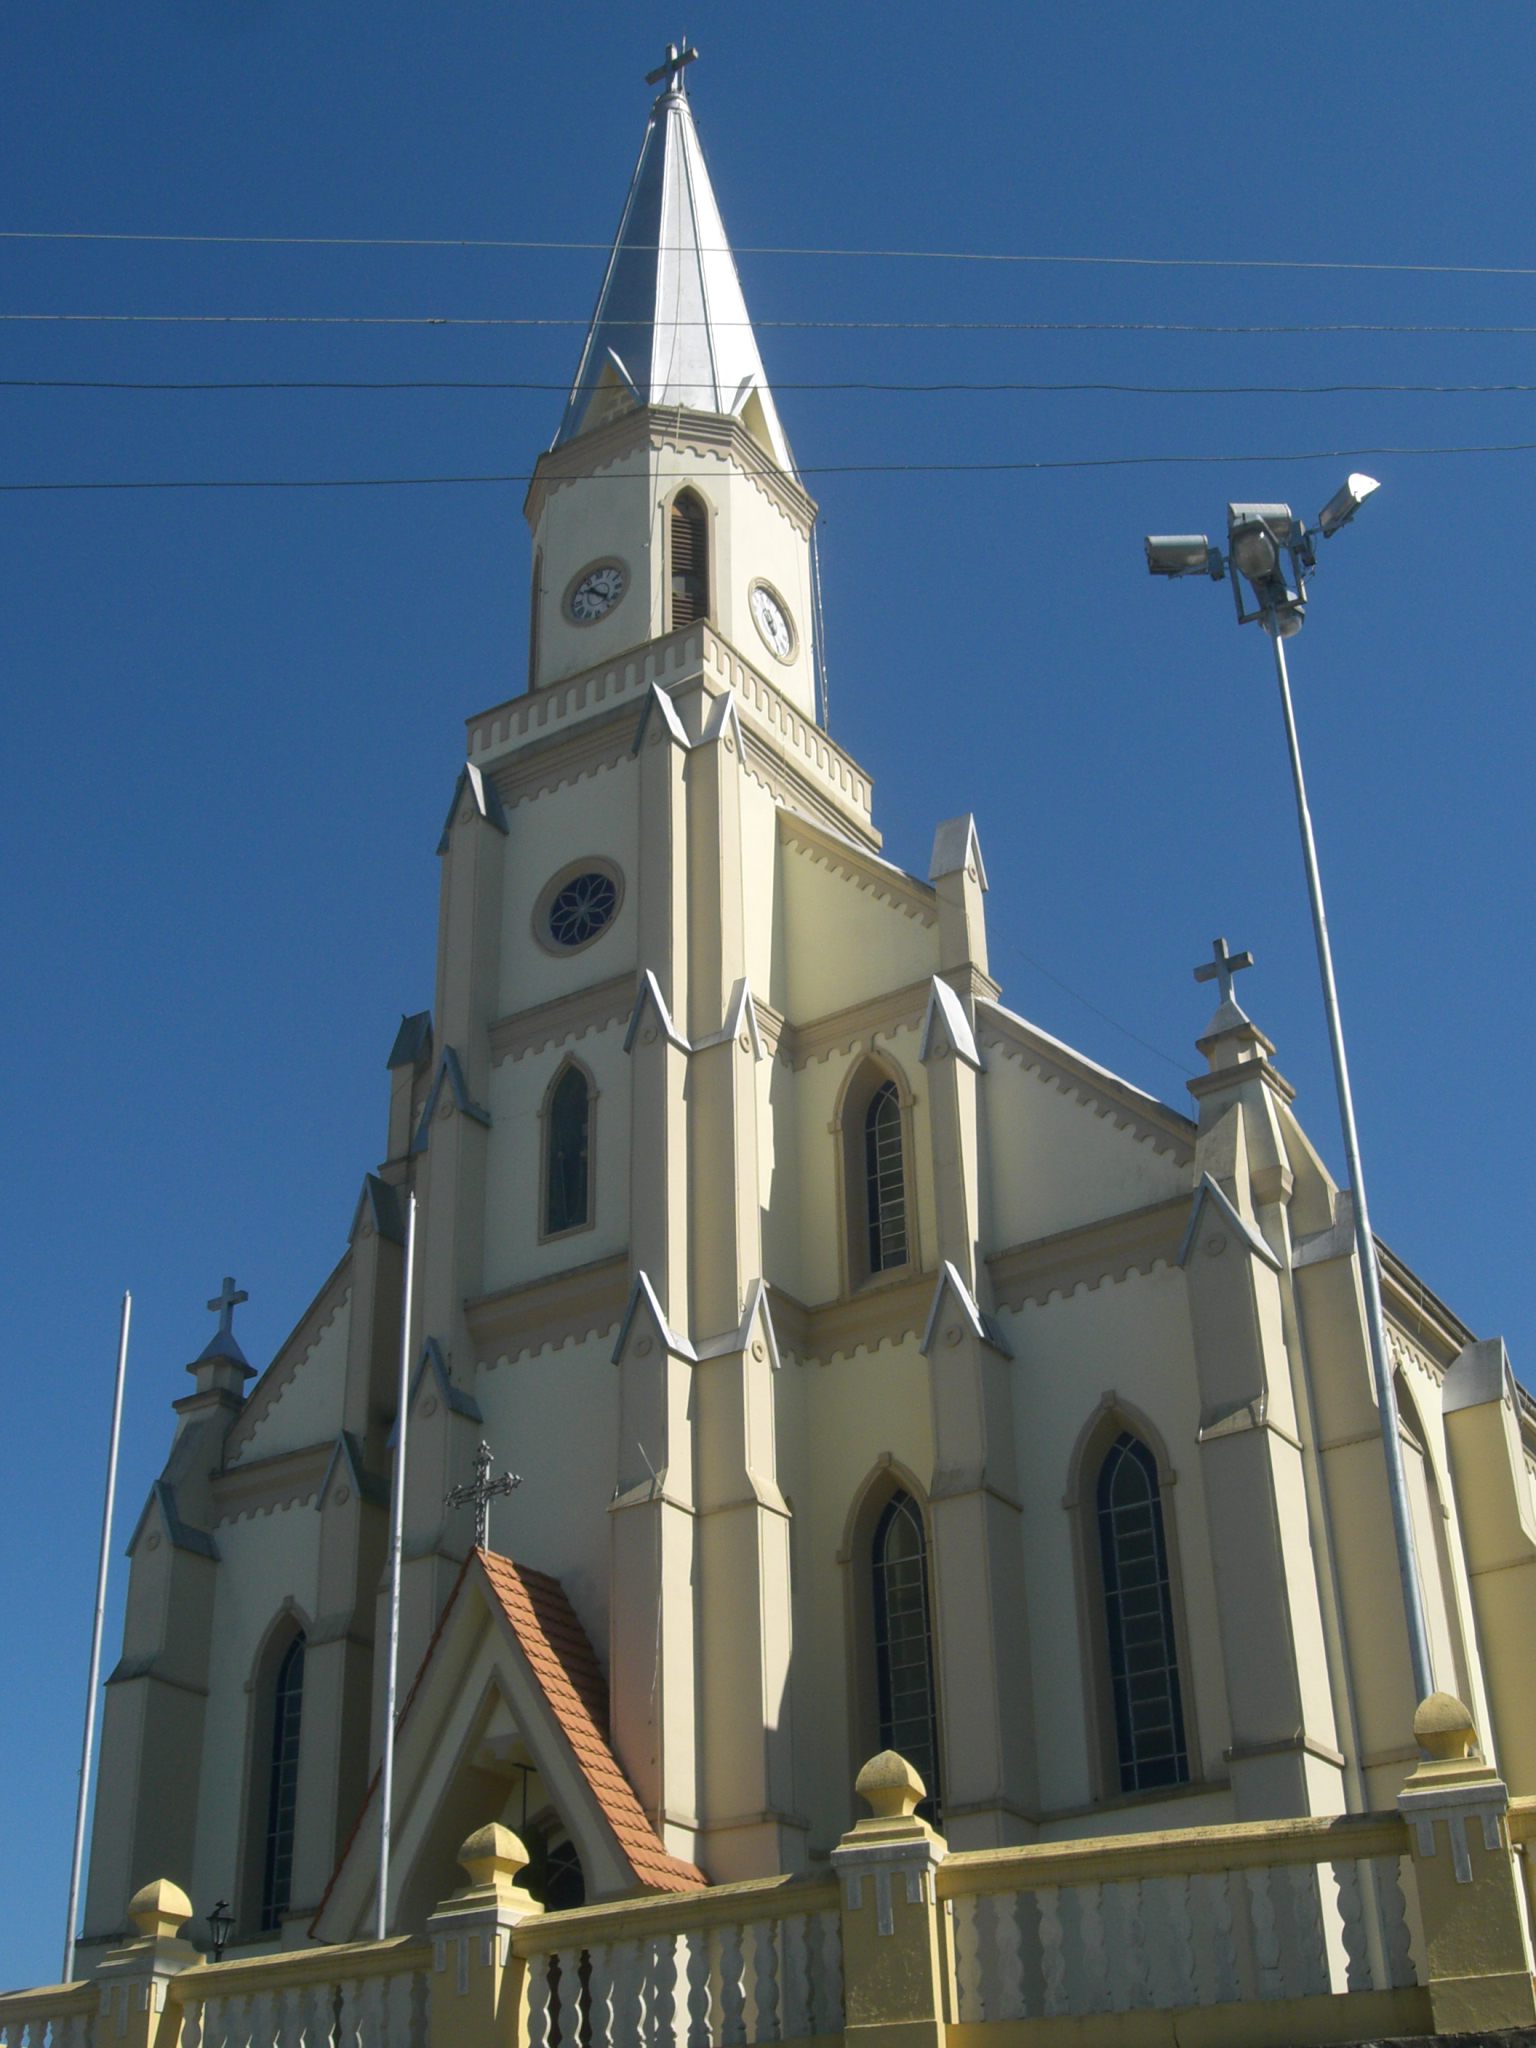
671	324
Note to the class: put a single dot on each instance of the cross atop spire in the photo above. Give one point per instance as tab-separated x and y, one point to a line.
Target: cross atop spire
481	1491
678	60
224	1343
1221	967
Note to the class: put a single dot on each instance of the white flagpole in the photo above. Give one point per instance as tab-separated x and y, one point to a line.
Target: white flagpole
396	1535
96	1629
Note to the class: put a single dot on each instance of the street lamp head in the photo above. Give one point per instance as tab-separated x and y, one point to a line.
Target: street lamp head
1345	503
1183	554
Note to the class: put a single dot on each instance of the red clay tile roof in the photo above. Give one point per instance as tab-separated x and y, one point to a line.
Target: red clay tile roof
564	1664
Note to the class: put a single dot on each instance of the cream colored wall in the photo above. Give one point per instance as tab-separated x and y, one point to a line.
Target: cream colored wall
264	1559
514	1168
553	1419
760	890
844	944
585	524
1132	1339
597	816
308	1408
1053	1162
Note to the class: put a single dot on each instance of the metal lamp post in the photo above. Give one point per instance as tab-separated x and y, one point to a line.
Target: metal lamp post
1272	552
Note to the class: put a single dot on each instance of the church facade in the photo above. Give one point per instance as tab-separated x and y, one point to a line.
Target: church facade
901	1378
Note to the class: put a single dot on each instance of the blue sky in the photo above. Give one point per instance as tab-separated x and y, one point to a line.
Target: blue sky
233	718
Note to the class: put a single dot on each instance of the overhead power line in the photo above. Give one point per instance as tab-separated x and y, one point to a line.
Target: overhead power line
873	326
999	256
336	483
852	384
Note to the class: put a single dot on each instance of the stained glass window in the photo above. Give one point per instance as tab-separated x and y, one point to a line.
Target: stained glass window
566	1142
904	1643
885	1181
282	1786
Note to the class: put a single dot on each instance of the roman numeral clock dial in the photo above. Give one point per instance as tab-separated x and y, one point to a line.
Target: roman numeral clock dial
596	593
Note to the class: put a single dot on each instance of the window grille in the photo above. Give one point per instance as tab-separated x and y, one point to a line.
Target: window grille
885	1181
690	560
282	1786
566	1149
1138	1610
904	1643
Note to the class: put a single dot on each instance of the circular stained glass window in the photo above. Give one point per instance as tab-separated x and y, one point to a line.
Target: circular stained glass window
582	908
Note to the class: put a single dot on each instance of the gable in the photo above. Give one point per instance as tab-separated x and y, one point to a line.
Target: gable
854	926
297	1401
507	1716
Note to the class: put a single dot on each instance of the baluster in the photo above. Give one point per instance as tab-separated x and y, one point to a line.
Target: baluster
829	1985
1168	1939
77	2033
696	1974
765	1975
625	1992
1217	1978
347	2013
1128	1982
734	2028
1396	1932
236	2030
1093	1963
191	2027
421	2009
397	2009
660	1983
1053	1952
595	1971
323	2017
795	1972
970	2003
1350	1899
1310	1946
1266	1935
211	2017
1009	1987
541	1998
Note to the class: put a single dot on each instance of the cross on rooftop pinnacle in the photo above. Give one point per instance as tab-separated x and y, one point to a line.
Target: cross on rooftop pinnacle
1221	967
226	1301
678	60
482	1490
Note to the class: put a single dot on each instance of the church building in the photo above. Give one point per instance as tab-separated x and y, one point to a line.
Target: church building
901	1378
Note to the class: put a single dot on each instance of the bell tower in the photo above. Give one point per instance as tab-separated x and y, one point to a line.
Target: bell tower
669	494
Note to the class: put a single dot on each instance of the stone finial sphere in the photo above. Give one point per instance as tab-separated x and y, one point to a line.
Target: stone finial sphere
161	1908
889	1786
1444	1726
492	1851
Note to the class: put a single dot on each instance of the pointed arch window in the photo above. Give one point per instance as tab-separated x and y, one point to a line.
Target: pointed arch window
885	1181
689	543
1150	1744
568	1153
282	1785
904	1641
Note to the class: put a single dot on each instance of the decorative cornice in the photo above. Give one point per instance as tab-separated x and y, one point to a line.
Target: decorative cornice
301	1340
669	429
261	1485
883	1016
1223	1080
1112	1248
879	878
1101	1091
562	1019
1421	1315
885	1312
541	1315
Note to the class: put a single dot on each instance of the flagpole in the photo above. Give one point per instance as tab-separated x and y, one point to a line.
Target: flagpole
396	1533
96	1631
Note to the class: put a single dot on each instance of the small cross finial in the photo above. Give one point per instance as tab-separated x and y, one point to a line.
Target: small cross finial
225	1302
1221	967
678	59
481	1491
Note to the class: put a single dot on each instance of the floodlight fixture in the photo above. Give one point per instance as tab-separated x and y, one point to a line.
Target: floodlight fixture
1183	554
1345	503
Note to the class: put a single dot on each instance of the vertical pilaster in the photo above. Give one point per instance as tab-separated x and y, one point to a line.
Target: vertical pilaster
476	1980
896	1962
133	1981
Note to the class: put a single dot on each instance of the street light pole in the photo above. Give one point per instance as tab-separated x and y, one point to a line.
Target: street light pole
1273	552
1365	1244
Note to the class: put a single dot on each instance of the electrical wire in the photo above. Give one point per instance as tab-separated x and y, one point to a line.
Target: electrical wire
807	326
957	385
998	256
333	483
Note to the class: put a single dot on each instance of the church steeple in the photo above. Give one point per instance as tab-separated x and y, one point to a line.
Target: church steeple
671	325
668	502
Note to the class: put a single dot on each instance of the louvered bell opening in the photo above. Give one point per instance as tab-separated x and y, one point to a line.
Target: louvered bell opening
690	561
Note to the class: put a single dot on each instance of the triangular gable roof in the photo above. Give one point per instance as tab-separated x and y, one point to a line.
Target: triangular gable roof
380	1202
448	1069
550	1677
651	997
982	1326
413	1041
347	1461
657	702
487	801
945	1020
179	1534
1210	1191
956	846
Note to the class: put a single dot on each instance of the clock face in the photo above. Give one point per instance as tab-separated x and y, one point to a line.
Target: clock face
772	621
597	593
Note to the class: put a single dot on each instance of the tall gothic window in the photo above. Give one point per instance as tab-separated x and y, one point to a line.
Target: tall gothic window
904	1642
690	560
885	1187
567	1147
282	1786
1138	1612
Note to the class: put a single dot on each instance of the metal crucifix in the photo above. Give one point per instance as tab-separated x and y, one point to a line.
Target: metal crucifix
1221	967
482	1490
225	1302
672	71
